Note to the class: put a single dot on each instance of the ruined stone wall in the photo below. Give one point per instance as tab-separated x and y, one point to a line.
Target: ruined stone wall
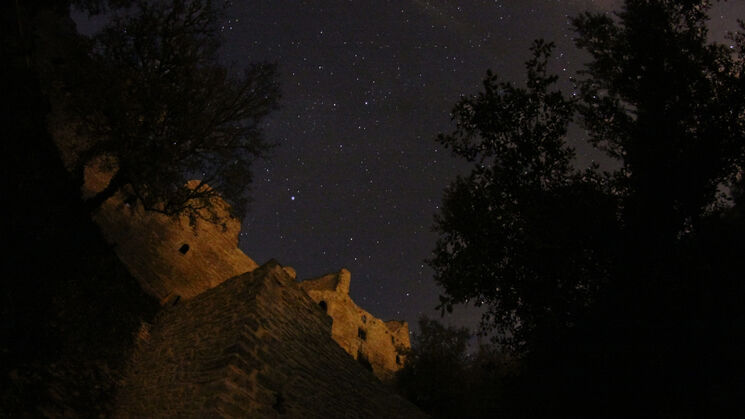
254	346
169	256
173	259
369	340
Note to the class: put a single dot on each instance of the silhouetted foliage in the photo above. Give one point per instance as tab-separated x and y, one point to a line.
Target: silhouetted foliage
154	101
444	380
523	202
617	289
433	377
667	104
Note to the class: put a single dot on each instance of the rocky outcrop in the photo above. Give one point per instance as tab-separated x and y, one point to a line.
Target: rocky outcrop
373	342
254	346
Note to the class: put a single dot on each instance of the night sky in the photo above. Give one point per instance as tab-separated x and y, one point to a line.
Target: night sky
367	85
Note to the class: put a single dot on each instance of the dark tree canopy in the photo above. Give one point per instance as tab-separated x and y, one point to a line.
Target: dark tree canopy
433	377
157	105
525	232
447	380
621	293
669	105
538	241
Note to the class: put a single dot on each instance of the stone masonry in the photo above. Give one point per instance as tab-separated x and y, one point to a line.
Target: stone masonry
371	341
172	259
169	257
254	346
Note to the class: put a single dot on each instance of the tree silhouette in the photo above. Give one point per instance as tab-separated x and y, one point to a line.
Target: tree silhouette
617	288
522	203
667	104
447	380
157	108
434	376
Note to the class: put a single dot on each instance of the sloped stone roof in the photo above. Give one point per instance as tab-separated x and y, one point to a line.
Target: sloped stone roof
254	346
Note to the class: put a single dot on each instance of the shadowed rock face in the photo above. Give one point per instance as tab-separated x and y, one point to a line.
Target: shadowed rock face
254	346
371	341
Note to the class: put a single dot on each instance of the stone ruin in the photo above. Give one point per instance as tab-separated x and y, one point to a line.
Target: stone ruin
234	339
170	258
173	260
254	346
374	343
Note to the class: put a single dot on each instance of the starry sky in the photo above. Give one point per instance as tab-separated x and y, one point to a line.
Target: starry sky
367	85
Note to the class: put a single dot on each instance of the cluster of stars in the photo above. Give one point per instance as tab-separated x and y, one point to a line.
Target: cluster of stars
367	86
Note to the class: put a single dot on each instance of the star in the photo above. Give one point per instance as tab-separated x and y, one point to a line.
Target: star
367	86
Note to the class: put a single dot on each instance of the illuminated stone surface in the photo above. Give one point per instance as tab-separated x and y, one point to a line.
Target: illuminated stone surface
368	339
168	256
254	346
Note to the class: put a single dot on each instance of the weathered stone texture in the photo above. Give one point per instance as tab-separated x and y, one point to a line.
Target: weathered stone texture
170	257
254	346
367	338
